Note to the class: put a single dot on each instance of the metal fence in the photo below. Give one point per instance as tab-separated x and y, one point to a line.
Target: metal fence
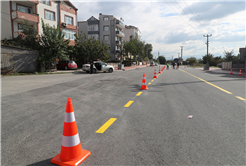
6	63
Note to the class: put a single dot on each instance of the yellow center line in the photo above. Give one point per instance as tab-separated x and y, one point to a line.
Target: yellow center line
208	83
139	93
106	125
152	80
240	98
129	103
149	83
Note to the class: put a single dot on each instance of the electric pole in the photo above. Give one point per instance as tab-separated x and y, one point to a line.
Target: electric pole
178	54
207	48
146	55
158	58
181	51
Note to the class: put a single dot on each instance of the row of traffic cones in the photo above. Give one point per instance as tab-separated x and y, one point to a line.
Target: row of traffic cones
240	72
144	85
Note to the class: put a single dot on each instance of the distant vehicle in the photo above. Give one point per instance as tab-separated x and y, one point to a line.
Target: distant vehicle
156	64
152	63
98	66
219	65
68	64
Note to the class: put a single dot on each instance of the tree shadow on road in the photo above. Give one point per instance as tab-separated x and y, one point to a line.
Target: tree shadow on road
222	74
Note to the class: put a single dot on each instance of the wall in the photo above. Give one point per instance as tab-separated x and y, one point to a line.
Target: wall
18	60
6	30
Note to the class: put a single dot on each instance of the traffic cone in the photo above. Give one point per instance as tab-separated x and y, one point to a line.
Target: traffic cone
72	153
144	86
240	73
155	74
193	67
159	69
231	71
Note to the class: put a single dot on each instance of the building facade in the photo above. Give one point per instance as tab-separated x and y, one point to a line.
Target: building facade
107	29
61	12
132	31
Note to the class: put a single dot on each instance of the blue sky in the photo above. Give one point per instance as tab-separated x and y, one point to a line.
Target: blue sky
169	24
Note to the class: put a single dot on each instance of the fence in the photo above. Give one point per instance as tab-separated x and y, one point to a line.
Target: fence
7	63
226	65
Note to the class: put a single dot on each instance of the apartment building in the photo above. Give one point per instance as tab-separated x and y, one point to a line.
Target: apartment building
132	31
61	12
107	29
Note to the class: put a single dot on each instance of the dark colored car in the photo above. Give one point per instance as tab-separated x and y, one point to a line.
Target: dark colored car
219	65
66	65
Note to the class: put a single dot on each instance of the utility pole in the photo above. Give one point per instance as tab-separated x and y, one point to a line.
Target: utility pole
181	51
178	54
207	48
172	57
158	58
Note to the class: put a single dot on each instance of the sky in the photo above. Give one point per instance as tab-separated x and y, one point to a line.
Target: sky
169	24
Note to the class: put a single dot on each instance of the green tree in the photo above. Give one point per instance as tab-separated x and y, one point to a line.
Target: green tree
53	45
150	48
229	55
192	60
162	60
210	59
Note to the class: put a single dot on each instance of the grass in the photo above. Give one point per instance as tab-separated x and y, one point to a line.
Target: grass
203	66
41	73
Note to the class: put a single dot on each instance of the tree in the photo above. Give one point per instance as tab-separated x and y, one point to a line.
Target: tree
52	43
150	48
192	60
129	47
210	58
162	60
229	56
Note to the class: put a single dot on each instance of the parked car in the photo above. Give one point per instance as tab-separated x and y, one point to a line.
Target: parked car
67	65
98	66
156	64
219	65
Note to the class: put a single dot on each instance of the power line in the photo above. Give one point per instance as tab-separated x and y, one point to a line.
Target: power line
194	15
178	14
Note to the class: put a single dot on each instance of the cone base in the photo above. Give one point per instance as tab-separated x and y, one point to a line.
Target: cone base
56	160
155	77
231	73
144	88
239	74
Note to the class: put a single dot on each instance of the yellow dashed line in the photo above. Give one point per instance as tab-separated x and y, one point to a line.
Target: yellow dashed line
152	80
208	83
149	83
139	93
240	98
129	103
106	125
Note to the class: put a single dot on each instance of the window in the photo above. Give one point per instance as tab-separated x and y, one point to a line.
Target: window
69	20
105	18
93	27
47	2
20	28
24	9
69	34
50	15
106	28
106	37
94	36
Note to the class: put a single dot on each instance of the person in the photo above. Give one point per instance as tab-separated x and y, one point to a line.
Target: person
167	66
91	67
177	65
173	65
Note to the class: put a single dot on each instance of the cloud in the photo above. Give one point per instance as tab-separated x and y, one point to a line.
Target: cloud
207	11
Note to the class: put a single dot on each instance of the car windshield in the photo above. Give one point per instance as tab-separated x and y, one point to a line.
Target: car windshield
71	62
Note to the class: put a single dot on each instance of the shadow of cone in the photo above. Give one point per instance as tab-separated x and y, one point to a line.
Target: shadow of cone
144	86
240	73
71	150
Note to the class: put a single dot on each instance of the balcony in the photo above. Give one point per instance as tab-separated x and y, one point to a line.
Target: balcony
20	16
70	27
120	34
117	51
118	43
120	24
33	1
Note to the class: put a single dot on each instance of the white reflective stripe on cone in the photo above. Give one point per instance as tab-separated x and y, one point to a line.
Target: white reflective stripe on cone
144	78
69	117
70	141
143	83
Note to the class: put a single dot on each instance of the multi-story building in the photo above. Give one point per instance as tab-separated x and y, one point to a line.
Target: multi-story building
107	29
61	12
132	31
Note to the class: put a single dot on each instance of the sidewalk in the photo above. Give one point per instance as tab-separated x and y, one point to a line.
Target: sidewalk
219	70
130	67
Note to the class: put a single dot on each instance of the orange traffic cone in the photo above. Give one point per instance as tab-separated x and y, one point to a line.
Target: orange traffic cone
155	74
71	151
159	69
231	71
240	73
144	86
193	67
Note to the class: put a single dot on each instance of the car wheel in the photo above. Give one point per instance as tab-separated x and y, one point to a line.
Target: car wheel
65	67
110	70
94	70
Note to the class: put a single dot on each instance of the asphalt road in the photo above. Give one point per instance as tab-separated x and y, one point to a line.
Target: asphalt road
153	130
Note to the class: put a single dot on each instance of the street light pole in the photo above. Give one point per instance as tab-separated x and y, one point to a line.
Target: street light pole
146	54
207	48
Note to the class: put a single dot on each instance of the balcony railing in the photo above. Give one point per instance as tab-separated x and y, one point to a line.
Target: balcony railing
120	23
25	16
120	33
118	42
